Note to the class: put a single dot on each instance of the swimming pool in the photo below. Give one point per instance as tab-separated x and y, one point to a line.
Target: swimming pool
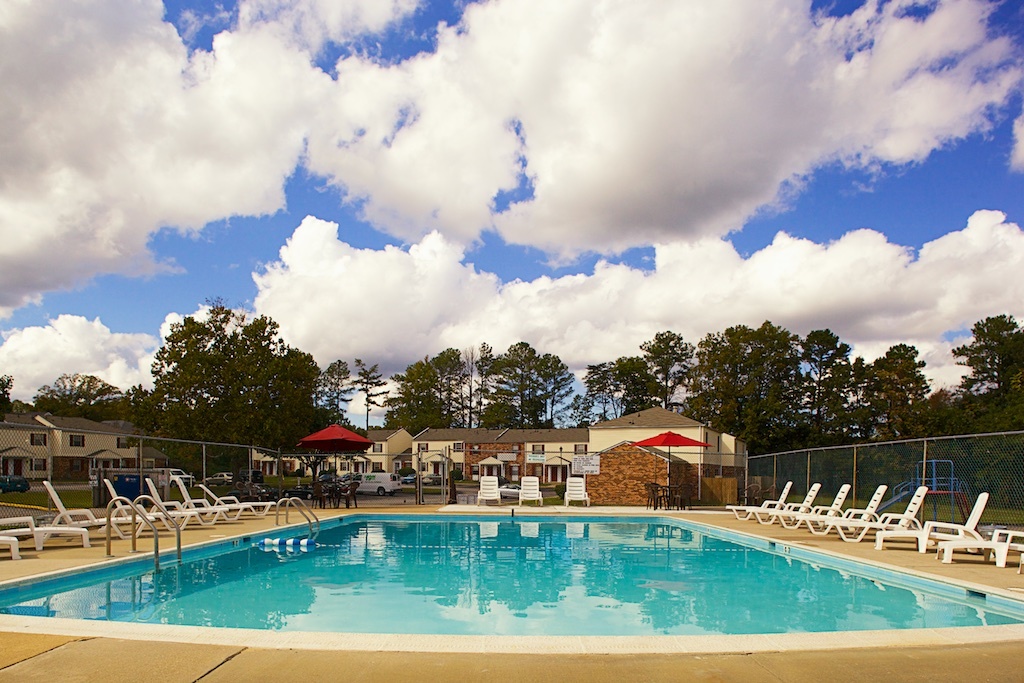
513	576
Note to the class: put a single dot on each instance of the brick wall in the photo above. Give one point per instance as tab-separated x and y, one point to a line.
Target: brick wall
625	469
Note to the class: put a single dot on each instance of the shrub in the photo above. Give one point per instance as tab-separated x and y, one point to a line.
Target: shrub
560	490
406	471
456	475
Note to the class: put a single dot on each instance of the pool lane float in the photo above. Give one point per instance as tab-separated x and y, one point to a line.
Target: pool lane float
289	544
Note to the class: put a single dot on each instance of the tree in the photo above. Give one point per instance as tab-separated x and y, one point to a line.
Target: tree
452	378
669	359
517	398
827	376
557	386
414	404
747	382
368	382
333	392
994	355
6	384
80	396
896	395
633	386
226	378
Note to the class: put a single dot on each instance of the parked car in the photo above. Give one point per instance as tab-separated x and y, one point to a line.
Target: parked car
509	491
303	491
12	483
331	477
431	479
255	476
219	479
166	475
409	479
379	483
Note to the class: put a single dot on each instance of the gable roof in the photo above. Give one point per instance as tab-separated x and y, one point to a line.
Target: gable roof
545	436
46	420
471	435
652	417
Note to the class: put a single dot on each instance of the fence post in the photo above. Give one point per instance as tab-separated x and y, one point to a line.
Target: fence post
807	473
854	486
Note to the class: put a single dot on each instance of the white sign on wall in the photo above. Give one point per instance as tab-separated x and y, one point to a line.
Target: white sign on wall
536	458
586	464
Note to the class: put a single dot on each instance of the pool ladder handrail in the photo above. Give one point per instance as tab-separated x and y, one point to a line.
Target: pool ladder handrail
303	509
137	511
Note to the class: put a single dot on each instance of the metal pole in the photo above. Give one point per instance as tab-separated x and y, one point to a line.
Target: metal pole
854	486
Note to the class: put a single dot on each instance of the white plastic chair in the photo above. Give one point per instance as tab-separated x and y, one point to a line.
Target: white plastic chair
935	531
40	533
769	516
576	489
488	490
12	543
747	511
81	518
529	489
794	520
859	528
822	524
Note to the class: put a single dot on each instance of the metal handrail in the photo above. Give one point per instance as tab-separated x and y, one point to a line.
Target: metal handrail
303	509
136	511
168	518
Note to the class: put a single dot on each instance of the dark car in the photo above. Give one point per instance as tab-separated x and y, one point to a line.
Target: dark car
409	479
305	492
255	476
12	483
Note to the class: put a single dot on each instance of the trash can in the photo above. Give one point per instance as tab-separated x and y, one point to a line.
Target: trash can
127	485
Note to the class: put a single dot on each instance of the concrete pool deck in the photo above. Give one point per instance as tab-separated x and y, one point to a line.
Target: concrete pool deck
41	649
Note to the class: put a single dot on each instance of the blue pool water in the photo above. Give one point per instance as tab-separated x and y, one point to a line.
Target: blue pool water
517	576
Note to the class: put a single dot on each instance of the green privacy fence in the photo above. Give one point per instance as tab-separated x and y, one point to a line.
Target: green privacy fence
955	469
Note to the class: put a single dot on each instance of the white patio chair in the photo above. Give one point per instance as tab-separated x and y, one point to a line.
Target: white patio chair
257	508
935	531
576	489
529	489
859	528
999	546
39	534
12	543
822	524
81	518
488	490
794	520
747	511
769	516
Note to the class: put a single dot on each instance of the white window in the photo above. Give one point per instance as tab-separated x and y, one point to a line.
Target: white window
538	448
458	446
38	464
422	447
122	442
378	447
37	439
580	449
76	440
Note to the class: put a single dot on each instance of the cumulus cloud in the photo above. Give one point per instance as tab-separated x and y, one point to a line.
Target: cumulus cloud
607	124
634	123
394	306
69	344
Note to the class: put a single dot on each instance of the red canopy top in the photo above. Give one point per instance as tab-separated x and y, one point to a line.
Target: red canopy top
670	439
335	439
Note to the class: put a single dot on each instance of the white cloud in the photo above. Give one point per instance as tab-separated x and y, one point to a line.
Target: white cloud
634	122
395	306
69	344
1017	158
647	122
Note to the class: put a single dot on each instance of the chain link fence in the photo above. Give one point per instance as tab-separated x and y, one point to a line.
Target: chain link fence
955	469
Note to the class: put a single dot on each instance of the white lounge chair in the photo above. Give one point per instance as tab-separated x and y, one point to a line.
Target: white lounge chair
859	528
12	543
123	512
822	524
747	511
258	508
576	489
82	518
794	520
769	516
204	507
999	546
178	510
935	531
488	490
39	534
529	489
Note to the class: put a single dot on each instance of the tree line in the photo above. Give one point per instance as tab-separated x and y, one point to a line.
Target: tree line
233	379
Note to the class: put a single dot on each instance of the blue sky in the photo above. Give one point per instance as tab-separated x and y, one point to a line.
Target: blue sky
578	175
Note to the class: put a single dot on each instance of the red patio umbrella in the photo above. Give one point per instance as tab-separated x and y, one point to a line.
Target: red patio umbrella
670	439
335	439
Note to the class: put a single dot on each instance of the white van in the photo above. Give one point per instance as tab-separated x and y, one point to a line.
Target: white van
379	483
